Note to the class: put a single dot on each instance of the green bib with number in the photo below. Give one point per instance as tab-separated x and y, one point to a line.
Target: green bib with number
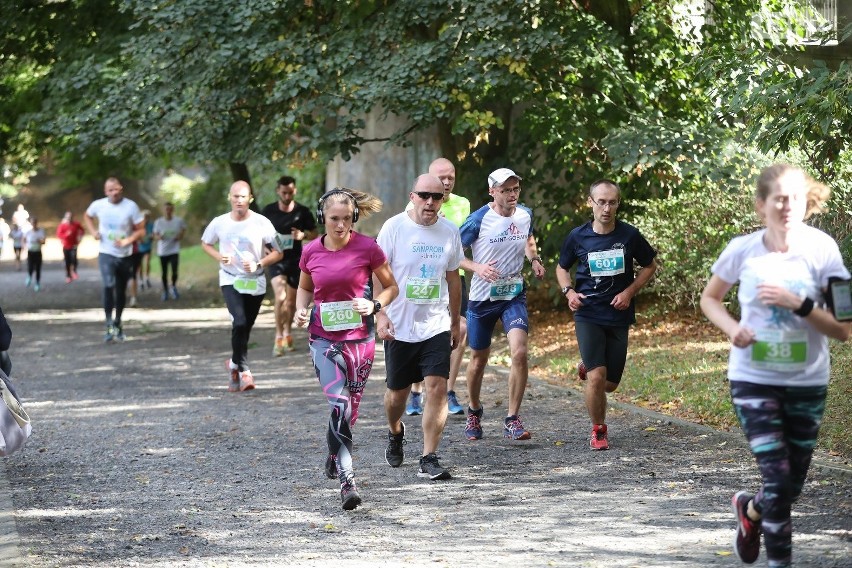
780	350
245	285
339	316
423	290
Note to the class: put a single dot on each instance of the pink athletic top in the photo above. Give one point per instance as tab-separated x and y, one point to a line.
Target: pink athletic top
340	276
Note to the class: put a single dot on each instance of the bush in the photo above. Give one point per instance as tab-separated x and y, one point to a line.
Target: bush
689	230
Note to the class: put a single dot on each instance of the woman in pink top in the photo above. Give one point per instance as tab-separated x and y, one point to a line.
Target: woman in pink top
337	275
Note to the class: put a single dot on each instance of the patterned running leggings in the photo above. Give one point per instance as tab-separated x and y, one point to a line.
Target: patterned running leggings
781	425
342	368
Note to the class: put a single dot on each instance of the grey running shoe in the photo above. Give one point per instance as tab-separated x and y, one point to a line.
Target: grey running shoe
110	333
119	333
394	453
331	466
429	467
349	495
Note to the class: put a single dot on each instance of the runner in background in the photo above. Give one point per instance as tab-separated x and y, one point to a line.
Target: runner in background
120	224
33	241
168	232
17	236
5	230
70	232
295	224
337	272
245	242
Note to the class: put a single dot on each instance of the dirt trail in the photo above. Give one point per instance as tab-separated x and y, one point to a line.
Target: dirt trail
140	457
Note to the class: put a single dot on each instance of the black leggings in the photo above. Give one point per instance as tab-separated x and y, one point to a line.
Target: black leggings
34	264
244	309
70	261
781	425
115	273
165	262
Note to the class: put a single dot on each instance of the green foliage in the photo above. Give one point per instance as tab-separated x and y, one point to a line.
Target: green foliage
176	188
689	230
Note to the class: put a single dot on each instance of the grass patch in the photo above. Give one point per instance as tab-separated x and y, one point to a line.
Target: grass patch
197	268
677	365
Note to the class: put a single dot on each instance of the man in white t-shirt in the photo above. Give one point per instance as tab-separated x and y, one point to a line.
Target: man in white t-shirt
168	231
421	327
120	224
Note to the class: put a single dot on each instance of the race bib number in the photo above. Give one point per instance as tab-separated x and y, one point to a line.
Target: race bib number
423	290
780	350
506	288
606	262
283	242
245	285
339	316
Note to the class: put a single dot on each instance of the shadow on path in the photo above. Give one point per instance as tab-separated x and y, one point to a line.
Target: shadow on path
140	457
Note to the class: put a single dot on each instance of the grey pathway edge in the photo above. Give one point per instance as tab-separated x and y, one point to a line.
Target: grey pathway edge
140	457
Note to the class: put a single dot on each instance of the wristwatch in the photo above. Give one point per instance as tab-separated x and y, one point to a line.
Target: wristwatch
566	288
377	307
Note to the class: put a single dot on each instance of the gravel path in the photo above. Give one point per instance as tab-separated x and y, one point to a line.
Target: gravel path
140	457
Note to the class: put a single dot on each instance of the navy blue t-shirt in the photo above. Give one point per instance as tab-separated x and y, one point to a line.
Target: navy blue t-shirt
604	269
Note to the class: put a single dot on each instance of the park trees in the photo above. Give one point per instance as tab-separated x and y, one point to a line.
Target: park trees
659	94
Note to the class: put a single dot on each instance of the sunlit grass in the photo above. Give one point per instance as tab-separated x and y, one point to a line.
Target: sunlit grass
678	366
197	269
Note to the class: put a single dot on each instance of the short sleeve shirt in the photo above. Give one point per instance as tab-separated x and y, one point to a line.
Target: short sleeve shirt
168	229
244	241
420	257
804	269
115	222
605	269
492	236
341	276
284	222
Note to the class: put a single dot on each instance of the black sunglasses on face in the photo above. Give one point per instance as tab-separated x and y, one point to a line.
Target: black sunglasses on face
425	195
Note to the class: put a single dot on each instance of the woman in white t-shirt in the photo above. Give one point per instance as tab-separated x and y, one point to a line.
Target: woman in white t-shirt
779	363
244	241
33	241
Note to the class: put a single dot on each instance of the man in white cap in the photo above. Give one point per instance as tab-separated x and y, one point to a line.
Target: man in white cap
499	234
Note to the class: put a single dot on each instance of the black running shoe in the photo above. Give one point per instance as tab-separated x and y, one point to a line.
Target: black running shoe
394	453
429	467
349	495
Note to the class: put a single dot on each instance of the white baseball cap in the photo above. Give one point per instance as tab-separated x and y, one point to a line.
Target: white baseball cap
498	177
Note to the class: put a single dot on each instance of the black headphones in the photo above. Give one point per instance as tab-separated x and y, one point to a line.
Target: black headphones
326	195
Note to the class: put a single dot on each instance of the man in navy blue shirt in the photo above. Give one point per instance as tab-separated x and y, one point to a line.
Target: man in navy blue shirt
605	250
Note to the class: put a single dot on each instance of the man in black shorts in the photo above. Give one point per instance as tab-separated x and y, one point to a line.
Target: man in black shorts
606	252
421	327
294	223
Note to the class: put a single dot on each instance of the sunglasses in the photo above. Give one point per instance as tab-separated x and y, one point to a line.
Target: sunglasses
425	195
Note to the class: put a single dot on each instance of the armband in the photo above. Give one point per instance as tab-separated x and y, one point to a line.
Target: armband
536	258
806	308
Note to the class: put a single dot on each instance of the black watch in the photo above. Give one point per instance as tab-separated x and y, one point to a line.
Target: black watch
566	288
377	307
